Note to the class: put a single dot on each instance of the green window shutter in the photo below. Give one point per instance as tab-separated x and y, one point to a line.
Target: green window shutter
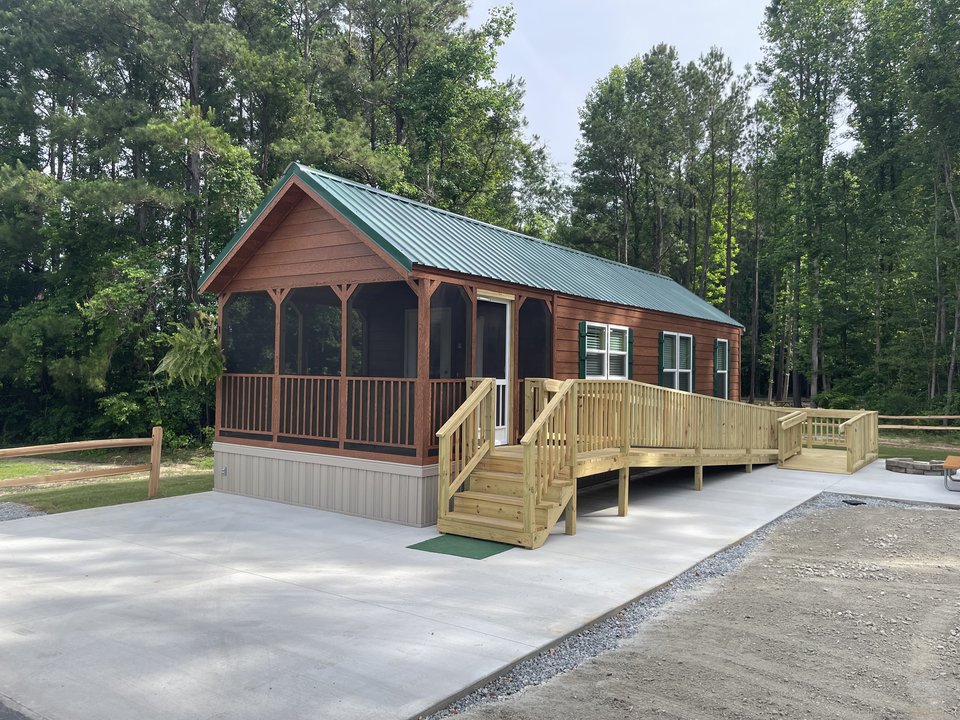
582	369
717	383
630	353
693	363
660	359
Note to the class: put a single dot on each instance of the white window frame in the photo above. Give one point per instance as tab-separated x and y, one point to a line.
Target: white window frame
726	372
607	352
676	370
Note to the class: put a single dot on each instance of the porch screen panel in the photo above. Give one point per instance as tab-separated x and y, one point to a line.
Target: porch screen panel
310	332
450	347
248	333
310	366
246	388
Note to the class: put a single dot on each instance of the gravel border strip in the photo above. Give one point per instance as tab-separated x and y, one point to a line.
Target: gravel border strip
15	511
607	634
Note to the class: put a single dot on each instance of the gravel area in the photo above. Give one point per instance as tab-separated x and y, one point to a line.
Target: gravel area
611	633
15	511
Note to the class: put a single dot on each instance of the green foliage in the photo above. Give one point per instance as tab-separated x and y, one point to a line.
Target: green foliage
194	357
137	135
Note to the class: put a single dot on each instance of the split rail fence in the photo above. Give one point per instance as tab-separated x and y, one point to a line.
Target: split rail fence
154	442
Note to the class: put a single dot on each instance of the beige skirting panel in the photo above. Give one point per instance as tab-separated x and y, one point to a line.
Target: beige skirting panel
395	492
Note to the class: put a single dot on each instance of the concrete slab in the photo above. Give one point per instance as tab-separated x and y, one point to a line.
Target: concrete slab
218	606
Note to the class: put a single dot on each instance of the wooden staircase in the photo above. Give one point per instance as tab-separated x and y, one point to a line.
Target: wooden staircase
492	506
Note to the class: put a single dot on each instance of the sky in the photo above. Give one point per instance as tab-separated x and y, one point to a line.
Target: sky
562	47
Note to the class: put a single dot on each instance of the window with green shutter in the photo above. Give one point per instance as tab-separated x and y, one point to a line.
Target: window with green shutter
604	351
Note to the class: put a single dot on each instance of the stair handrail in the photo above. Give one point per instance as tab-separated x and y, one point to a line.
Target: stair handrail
546	448
860	439
790	440
464	440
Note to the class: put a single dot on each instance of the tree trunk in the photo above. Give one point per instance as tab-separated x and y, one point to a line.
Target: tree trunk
625	235
771	380
708	230
658	240
815	331
191	269
755	313
953	355
795	335
729	258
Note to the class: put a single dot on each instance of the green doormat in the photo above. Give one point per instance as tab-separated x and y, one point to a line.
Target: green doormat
461	546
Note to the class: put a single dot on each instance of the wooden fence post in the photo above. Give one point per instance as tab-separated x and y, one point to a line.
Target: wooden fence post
156	440
626	423
698	469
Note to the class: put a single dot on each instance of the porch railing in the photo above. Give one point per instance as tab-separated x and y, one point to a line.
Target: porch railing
310	407
246	404
824	427
446	395
380	412
464	440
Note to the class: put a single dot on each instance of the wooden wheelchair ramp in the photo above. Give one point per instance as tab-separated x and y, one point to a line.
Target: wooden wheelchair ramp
577	428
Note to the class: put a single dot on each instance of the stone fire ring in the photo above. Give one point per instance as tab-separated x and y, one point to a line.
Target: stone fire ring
915	467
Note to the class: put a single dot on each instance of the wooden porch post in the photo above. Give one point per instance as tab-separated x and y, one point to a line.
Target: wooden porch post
420	423
514	369
343	292
218	401
425	289
277	295
472	294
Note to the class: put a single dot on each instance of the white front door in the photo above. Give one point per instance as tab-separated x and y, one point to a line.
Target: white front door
493	357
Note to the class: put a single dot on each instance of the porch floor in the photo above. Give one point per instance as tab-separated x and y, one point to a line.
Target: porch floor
819	460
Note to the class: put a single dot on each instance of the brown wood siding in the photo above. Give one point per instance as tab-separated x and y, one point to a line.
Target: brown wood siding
646	325
311	247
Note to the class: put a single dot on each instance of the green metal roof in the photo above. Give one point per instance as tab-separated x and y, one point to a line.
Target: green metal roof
417	234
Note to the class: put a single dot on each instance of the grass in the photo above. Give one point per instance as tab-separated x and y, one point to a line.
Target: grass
10	469
183	472
79	496
915	452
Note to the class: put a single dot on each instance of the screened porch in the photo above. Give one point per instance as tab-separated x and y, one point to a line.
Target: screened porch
337	368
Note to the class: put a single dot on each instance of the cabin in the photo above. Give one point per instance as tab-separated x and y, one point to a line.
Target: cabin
374	344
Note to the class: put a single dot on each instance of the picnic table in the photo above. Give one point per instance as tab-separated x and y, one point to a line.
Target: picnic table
950	467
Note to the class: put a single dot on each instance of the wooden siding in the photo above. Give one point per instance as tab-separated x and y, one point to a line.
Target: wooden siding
311	247
646	325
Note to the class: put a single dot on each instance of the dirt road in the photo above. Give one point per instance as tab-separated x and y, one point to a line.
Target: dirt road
842	613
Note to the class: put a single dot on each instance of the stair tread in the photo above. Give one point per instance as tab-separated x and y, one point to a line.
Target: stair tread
484	520
498	474
503	499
